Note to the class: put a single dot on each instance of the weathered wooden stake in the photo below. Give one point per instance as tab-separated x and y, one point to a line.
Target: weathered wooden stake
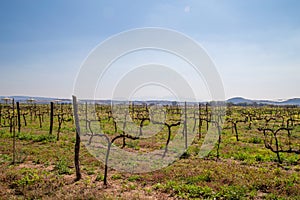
19	117
185	127
86	116
51	117
0	113
77	143
200	121
207	120
14	132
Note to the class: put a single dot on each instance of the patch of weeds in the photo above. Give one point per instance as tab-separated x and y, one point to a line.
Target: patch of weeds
62	166
277	182
148	190
133	144
116	176
90	171
44	138
23	180
292	159
99	177
272	196
47	163
87	181
134	178
36	138
158	186
240	156
132	186
248	162
253	194
277	171
193	150
262	185
36	161
24	136
255	140
4	134
5	158
263	170
259	158
232	192
29	178
291	184
188	190
274	158
20	156
207	177
73	140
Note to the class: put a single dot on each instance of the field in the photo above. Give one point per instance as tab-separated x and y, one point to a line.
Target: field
256	154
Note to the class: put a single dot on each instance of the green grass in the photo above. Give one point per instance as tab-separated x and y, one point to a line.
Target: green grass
134	178
62	166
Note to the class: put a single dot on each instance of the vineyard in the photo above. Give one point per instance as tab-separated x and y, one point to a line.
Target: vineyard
255	152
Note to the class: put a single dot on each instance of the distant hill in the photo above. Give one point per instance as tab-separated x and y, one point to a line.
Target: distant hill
294	101
241	100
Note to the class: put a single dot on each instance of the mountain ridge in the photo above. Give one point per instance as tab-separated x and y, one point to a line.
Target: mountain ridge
241	100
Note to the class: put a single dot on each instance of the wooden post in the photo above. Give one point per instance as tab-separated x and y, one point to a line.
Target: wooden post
0	114
185	126
51	117
77	143
207	120
19	117
14	132
86	116
40	118
200	121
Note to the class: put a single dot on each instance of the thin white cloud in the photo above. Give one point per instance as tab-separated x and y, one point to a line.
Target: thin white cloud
187	9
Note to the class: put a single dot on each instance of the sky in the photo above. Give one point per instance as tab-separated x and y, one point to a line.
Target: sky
255	45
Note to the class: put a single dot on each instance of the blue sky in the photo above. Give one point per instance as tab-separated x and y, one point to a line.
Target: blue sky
254	44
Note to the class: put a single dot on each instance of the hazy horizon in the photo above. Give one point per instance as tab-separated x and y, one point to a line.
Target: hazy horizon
146	99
